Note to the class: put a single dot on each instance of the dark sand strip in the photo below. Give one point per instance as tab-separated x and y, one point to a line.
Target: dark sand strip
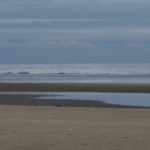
75	87
34	100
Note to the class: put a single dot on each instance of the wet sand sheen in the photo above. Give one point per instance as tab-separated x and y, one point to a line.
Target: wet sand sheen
38	99
33	100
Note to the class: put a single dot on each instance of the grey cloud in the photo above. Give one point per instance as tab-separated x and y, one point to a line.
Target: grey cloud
88	28
77	37
63	2
86	8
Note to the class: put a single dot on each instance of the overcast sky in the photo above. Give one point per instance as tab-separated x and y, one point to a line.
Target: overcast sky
74	31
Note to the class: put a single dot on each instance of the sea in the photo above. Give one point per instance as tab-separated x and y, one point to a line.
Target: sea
95	73
99	73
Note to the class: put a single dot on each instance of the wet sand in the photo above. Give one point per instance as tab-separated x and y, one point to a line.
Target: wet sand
36	100
75	87
73	128
33	100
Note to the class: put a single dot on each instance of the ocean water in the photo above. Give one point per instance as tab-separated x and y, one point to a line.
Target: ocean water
105	73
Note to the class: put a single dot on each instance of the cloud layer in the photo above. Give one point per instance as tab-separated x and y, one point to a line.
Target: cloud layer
57	31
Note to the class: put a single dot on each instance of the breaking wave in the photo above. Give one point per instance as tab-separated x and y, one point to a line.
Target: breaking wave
78	72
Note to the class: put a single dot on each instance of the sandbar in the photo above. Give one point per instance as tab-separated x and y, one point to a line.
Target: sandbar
75	87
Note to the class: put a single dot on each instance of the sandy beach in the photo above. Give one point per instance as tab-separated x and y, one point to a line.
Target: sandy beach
65	128
27	123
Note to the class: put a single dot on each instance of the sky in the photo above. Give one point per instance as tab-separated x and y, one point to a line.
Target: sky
74	31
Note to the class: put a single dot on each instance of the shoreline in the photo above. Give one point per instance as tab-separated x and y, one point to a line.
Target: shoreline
75	87
34	100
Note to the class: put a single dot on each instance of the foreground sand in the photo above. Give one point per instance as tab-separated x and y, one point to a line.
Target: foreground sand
73	128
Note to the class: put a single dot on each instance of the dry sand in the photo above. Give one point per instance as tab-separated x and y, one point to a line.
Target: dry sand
73	128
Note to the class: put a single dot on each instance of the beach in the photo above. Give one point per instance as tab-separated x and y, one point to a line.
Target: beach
74	75
65	128
34	124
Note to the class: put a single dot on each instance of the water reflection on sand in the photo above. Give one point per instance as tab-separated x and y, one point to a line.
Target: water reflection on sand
130	99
